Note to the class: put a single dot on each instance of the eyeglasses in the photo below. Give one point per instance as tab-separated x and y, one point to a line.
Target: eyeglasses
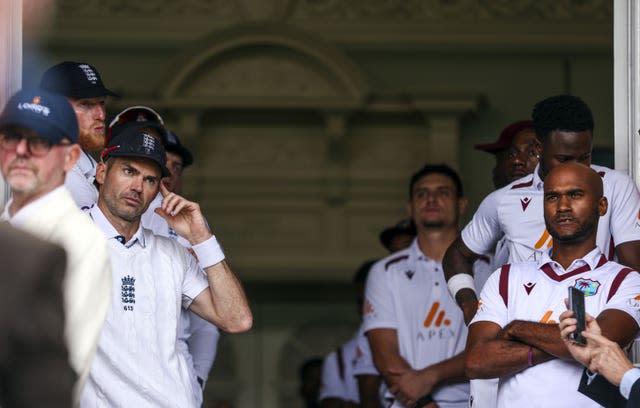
37	146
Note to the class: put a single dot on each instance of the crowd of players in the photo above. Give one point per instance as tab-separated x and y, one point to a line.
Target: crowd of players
478	317
450	318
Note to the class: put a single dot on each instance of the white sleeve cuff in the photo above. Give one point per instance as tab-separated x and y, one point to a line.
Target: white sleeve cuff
460	281
628	379
208	252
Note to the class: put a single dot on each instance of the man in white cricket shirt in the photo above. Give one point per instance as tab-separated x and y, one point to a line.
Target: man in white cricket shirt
415	330
564	124
138	362
515	335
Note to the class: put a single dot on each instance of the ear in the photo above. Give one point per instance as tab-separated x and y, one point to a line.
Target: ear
409	210
101	172
462	205
71	156
603	206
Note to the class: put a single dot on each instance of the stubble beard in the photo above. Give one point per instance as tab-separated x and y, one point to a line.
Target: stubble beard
583	231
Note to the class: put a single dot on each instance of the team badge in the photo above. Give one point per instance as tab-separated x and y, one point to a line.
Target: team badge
128	292
528	287
524	202
409	274
587	286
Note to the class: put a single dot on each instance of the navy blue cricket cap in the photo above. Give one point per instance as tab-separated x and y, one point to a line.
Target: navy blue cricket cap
172	144
47	113
135	142
74	80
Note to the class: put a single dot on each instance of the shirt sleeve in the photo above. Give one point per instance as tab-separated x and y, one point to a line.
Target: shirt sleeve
483	231
194	281
626	296
379	311
203	344
628	379
625	207
364	360
332	385
492	307
83	192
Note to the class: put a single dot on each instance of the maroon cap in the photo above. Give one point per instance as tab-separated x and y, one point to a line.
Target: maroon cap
506	137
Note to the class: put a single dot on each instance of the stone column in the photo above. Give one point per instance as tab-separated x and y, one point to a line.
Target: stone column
626	96
626	65
11	67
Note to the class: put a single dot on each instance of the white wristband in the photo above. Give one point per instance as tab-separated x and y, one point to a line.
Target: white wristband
208	252
460	281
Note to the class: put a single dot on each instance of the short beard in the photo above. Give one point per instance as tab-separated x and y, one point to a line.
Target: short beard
585	230
432	224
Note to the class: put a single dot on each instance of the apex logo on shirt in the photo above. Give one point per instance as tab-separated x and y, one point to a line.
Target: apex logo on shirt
438	316
524	202
546	318
545	239
128	292
529	287
409	274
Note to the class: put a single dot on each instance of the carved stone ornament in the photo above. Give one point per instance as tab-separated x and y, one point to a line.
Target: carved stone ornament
463	10
146	8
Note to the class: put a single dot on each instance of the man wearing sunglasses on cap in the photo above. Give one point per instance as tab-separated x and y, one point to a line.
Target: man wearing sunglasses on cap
83	87
138	362
38	145
197	338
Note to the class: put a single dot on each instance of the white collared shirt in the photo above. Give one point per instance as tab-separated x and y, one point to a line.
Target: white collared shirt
407	292
138	362
535	291
338	380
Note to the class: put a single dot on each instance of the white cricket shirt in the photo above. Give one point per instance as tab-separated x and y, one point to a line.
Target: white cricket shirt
338	380
517	213
535	291
137	363
197	338
407	292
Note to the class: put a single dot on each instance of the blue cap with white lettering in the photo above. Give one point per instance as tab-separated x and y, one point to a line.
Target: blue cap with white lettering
47	113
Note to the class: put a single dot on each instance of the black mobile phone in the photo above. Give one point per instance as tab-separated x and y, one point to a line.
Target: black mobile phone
576	304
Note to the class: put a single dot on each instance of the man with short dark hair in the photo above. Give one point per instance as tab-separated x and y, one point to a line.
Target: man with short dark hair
38	145
416	331
564	126
515	335
82	85
138	363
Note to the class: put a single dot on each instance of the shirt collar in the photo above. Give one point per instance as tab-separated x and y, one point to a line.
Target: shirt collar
538	183
589	262
415	253
23	215
111	233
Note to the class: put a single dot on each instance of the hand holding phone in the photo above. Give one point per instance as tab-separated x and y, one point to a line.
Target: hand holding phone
576	304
